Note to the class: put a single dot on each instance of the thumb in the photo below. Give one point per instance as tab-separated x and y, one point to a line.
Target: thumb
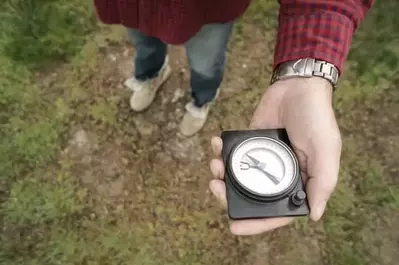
323	169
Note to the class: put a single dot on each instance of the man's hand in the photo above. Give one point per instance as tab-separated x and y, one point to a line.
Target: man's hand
303	106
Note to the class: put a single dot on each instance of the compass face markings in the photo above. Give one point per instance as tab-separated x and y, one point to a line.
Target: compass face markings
263	166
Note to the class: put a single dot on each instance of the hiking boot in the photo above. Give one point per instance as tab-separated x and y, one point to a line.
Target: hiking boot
144	91
195	117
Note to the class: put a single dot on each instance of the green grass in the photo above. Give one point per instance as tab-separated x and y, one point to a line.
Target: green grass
66	243
363	197
40	196
41	31
40	199
46	215
375	50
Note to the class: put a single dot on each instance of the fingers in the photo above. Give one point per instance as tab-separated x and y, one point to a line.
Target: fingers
218	188
217	146
217	168
323	170
253	227
216	164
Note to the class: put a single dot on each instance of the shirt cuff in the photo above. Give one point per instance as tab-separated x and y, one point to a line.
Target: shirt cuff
323	35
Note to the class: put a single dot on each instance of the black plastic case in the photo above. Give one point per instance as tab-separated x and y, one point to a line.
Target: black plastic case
240	207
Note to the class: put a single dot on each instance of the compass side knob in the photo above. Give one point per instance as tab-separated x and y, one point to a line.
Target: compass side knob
298	198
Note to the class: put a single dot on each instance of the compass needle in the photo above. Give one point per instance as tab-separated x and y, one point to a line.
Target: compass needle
256	162
271	177
244	165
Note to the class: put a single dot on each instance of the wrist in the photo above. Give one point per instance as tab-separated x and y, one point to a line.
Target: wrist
296	88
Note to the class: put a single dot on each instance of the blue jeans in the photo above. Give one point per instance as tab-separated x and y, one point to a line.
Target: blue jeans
206	53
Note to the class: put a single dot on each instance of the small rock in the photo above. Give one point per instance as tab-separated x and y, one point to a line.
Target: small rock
80	138
185	149
80	144
126	53
178	114
125	161
120	208
171	126
179	93
164	100
144	127
112	57
116	187
184	74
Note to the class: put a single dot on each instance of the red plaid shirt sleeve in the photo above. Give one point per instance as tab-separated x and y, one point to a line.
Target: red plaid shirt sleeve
320	29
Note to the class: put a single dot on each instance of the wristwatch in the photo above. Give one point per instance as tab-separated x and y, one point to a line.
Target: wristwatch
306	67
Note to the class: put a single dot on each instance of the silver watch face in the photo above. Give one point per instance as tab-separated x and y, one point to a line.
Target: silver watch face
264	166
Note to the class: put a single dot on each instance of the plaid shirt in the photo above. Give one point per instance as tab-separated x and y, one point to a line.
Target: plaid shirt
320	29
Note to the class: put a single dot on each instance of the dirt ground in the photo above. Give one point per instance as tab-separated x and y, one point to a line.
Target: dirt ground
142	176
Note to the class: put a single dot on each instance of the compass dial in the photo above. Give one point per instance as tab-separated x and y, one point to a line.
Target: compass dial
264	166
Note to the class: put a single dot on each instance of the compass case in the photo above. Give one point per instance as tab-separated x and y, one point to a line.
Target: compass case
244	207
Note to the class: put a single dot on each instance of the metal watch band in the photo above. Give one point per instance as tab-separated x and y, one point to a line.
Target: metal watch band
306	67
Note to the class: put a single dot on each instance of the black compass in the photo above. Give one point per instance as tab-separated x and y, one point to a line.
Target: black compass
262	175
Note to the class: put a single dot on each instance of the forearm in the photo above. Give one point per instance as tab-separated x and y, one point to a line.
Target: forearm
320	29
